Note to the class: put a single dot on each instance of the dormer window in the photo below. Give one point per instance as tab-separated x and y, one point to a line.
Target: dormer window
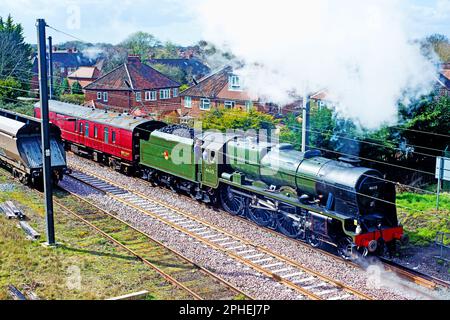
234	83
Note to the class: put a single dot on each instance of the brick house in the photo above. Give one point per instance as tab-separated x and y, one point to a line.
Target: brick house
193	67
443	83
65	62
84	76
221	89
135	87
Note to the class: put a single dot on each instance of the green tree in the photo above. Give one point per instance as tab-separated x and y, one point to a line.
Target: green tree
64	87
76	88
15	53
224	118
173	73
438	43
140	43
9	89
167	51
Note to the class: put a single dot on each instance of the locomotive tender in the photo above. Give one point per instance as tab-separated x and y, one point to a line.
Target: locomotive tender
302	195
21	152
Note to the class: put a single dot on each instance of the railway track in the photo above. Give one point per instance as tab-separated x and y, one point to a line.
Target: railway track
406	273
309	283
176	269
417	277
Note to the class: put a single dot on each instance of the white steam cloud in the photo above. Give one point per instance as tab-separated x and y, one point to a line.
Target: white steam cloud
360	51
92	52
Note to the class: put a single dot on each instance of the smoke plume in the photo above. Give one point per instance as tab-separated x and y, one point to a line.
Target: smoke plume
360	51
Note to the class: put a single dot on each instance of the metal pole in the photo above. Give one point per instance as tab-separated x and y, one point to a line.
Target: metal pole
50	64
305	123
440	177
46	154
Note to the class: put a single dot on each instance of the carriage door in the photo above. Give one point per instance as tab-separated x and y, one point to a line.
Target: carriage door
210	168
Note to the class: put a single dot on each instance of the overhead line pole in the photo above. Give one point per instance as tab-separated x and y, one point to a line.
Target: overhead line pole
50	65
45	130
305	123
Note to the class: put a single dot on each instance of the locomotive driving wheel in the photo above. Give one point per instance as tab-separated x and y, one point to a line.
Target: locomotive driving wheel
288	223
262	217
232	202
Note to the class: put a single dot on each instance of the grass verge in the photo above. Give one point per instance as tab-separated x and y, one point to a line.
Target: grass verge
420	218
83	266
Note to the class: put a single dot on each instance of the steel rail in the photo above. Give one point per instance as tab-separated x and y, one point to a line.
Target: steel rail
245	242
178	254
166	276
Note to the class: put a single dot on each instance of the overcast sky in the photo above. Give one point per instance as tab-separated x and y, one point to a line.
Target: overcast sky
111	20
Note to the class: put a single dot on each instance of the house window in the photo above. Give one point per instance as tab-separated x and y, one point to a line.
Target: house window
230	104
150	95
106	134
99	96
138	96
95	132
187	102
175	92
86	129
234	83
248	105
105	96
205	104
113	137
164	94
63	69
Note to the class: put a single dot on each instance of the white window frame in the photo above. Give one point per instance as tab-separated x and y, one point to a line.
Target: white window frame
105	96
203	102
175	92
234	83
164	94
188	102
138	96
99	95
231	104
150	95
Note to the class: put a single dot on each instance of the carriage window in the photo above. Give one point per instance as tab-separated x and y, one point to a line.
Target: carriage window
81	128
95	132
113	137
75	126
106	135
86	128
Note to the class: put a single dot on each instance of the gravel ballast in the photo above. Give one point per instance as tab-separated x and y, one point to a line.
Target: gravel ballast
374	281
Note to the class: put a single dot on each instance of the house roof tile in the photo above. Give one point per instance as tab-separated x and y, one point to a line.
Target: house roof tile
210	86
134	73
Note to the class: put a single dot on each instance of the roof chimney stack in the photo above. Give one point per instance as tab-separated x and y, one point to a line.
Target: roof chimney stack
134	59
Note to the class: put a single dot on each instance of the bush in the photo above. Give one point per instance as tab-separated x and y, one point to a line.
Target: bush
223	119
73	98
9	89
76	88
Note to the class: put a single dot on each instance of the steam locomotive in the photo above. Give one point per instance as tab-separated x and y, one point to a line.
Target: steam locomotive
302	195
